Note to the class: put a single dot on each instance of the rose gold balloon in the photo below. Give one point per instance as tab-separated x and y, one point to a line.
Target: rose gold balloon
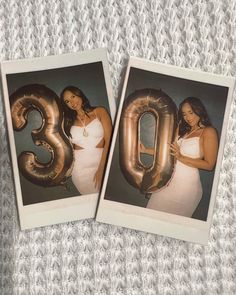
50	135
161	106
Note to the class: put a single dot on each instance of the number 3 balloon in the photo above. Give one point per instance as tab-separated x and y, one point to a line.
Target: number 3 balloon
161	106
50	135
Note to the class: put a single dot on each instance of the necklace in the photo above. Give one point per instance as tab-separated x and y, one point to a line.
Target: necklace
192	132
85	132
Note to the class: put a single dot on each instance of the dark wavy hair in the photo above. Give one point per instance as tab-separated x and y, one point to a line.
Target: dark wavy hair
199	109
69	114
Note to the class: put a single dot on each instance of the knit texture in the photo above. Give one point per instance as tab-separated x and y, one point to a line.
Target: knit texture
86	257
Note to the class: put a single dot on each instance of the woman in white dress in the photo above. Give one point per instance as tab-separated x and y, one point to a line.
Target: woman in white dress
90	130
195	148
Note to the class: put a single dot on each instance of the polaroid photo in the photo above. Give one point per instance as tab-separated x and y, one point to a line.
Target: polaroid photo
59	112
166	152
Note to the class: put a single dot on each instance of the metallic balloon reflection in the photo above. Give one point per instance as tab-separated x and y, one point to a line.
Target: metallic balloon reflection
50	135
162	107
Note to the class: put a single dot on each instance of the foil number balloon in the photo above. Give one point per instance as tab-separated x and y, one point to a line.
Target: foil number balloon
50	135
161	106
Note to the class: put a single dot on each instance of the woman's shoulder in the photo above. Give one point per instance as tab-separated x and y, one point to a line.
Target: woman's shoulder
209	131
101	111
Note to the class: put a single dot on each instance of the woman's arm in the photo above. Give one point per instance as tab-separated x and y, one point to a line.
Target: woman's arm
105	119
146	150
210	149
150	150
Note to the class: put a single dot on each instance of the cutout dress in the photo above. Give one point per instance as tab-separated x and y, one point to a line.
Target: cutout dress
88	158
183	193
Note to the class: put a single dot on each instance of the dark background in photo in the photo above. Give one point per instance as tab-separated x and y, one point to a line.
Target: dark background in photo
214	98
90	79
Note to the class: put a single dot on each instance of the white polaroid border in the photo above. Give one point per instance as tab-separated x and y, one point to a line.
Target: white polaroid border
67	209
148	220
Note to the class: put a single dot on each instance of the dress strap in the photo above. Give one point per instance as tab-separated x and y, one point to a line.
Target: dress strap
191	132
202	131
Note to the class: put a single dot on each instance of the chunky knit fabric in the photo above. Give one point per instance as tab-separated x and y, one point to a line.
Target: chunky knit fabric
86	257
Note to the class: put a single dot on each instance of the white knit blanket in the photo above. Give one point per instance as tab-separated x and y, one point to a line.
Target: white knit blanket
86	257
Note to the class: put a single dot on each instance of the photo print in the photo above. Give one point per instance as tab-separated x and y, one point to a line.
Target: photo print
166	151
59	112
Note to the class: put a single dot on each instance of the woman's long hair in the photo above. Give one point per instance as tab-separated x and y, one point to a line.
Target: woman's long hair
69	114
199	109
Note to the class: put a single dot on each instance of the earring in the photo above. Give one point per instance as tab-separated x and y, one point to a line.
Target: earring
200	124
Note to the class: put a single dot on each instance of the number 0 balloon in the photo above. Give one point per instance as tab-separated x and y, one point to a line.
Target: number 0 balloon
162	107
50	135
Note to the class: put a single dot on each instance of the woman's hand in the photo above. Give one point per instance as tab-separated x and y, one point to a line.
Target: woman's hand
209	146
175	150
98	178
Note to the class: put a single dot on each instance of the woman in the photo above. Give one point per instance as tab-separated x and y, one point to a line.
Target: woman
90	130
196	148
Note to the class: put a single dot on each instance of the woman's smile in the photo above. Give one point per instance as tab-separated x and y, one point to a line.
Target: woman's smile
191	118
73	101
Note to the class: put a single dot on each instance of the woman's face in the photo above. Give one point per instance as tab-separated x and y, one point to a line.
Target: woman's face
189	116
73	101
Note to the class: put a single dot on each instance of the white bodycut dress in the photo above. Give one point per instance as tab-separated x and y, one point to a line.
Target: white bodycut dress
88	158
183	193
